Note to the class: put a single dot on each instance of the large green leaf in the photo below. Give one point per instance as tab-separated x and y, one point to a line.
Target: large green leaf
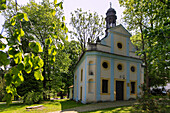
17	79
39	47
18	33
35	46
3	59
38	62
18	58
20	66
13	20
3	5
14	71
28	67
53	12
7	98
38	75
11	90
20	15
26	17
28	64
12	52
8	79
48	41
2	45
60	4
55	1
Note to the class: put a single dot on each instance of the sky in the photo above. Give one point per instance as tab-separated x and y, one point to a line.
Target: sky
99	6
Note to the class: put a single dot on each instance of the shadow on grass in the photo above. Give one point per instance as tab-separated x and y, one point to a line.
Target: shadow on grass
14	106
127	109
124	109
69	104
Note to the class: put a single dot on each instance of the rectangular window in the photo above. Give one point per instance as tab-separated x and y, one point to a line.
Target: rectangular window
132	87
81	74
104	86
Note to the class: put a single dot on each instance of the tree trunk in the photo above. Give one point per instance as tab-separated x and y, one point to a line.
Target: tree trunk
145	60
44	75
68	92
61	94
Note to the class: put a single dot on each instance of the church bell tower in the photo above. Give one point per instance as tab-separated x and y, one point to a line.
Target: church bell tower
110	19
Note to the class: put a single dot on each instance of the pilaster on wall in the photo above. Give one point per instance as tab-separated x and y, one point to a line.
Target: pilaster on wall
112	43
127	46
85	82
138	79
98	78
112	80
128	81
77	97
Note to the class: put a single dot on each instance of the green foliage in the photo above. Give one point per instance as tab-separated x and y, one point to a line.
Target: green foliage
2	4
38	75
2	86
3	59
149	20
29	84
26	39
60	4
35	46
2	45
151	104
33	97
86	26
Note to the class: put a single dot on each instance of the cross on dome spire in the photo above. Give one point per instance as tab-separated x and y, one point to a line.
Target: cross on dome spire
110	5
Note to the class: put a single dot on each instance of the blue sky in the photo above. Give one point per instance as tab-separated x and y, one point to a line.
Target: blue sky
99	6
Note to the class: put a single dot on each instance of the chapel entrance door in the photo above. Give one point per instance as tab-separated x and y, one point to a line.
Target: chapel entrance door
80	93
119	90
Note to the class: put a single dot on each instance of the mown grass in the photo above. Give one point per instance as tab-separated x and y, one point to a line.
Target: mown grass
125	109
49	106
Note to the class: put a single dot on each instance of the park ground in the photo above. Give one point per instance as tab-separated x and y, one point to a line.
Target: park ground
66	105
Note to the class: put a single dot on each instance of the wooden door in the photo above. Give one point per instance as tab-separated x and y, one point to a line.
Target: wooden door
119	90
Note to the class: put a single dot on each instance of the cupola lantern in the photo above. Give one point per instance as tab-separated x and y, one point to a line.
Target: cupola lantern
110	18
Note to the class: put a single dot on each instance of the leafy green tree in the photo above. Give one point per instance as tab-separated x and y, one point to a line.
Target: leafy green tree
73	49
86	26
2	85
149	19
18	31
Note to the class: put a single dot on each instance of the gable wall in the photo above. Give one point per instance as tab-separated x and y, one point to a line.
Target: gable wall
120	39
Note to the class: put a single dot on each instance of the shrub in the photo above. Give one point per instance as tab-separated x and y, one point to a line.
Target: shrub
150	104
33	97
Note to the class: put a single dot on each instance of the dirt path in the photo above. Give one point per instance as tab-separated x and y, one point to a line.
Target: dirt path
12	102
97	106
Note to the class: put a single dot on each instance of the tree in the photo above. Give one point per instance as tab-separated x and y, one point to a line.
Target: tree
149	20
2	85
20	29
86	26
73	49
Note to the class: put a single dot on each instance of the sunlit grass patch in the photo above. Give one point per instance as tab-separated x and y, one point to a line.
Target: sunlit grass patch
48	106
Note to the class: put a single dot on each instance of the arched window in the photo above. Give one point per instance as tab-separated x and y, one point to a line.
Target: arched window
81	74
90	68
90	86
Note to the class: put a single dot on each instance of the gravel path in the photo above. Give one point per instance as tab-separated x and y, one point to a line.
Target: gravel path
97	106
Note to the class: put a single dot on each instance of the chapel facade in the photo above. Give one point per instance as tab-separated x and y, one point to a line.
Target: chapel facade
109	69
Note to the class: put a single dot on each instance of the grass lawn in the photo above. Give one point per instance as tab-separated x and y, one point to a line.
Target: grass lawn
127	109
49	106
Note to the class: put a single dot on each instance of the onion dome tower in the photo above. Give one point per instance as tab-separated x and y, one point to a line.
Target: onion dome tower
110	19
